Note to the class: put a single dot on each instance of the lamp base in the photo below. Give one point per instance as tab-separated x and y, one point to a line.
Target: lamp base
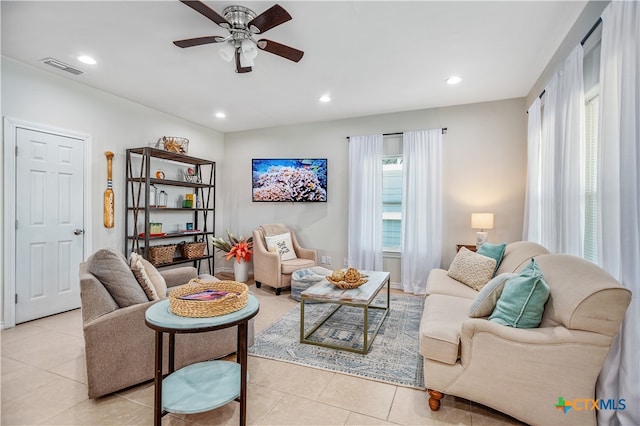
481	238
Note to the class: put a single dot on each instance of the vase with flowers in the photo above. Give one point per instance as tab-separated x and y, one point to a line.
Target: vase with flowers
239	249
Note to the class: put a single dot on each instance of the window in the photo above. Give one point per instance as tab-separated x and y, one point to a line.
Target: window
391	202
591	179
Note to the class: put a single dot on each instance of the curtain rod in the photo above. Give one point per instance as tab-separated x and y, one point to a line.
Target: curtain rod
444	132
584	40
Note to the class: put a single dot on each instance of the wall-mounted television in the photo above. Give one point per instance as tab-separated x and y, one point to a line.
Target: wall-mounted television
289	179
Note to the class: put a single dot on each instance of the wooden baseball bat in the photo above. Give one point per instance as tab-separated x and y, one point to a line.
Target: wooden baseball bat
108	195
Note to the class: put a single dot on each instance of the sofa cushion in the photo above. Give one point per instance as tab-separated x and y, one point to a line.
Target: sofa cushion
472	269
521	304
111	268
494	251
439	282
440	326
485	302
153	284
281	244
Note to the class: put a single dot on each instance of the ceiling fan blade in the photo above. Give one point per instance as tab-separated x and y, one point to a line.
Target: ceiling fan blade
268	19
198	41
286	52
239	68
207	12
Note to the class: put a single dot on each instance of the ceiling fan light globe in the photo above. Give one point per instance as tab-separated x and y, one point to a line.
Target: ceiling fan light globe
249	49
227	52
245	62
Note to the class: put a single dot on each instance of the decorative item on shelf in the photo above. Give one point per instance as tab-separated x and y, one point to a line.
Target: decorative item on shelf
173	144
155	228
109	209
481	221
190	175
162	199
188	203
350	279
238	248
192	250
162	254
153	190
159	174
201	299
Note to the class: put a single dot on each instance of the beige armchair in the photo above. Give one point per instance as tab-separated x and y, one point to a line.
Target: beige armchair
119	347
272	267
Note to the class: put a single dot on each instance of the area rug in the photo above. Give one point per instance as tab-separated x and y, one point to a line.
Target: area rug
393	358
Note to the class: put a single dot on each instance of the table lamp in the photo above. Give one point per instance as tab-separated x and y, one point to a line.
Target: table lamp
481	221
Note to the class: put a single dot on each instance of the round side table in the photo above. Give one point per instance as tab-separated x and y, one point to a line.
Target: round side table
202	386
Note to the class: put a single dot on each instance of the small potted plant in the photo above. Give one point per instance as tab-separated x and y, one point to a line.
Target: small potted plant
238	248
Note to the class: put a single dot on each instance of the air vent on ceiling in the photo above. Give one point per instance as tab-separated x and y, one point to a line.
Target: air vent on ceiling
61	66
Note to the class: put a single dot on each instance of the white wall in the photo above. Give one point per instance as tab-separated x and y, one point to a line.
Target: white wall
484	170
114	123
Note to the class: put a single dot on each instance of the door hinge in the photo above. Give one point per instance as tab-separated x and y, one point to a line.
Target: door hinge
16	298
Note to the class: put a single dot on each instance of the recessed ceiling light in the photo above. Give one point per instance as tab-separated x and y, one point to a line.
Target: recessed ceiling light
454	79
325	98
221	114
87	60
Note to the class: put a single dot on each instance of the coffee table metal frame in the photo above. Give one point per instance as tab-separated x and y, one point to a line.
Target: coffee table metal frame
361	297
159	318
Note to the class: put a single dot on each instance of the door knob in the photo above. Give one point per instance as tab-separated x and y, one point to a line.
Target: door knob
78	231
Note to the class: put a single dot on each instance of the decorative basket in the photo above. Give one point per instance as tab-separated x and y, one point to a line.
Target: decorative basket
236	298
173	144
345	285
347	280
192	250
162	254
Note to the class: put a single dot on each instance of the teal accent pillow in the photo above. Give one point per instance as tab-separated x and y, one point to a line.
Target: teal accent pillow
521	304
494	251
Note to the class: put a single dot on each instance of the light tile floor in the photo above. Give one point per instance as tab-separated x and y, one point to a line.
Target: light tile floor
44	383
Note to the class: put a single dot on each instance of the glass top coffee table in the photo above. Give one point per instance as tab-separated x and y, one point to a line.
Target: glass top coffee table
361	297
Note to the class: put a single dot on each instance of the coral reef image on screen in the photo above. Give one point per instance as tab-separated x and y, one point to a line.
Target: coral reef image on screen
290	179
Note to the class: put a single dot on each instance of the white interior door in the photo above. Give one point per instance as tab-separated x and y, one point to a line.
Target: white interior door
49	223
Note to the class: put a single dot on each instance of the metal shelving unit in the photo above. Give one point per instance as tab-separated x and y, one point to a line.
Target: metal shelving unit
138	187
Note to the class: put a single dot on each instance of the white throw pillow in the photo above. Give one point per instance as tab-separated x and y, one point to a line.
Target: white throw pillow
281	244
153	284
472	269
486	300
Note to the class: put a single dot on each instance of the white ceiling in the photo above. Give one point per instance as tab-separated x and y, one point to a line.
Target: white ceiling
372	57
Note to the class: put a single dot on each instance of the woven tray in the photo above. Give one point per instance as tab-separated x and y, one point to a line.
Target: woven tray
236	299
192	250
162	254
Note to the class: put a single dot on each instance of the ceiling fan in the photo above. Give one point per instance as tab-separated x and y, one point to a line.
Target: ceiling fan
243	24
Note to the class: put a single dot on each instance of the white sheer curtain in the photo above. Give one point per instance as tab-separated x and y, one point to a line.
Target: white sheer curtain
532	226
618	191
561	202
421	235
365	202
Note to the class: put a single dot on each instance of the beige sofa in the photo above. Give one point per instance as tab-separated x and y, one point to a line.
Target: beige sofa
268	267
119	347
523	372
